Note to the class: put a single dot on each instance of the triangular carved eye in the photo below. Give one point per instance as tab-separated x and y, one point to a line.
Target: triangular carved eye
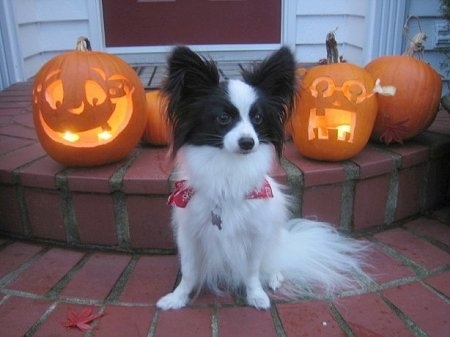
54	94
95	94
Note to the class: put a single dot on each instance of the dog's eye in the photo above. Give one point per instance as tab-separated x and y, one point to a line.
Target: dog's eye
257	119
224	119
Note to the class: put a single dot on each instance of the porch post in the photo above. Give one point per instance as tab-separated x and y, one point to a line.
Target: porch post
11	60
385	28
288	23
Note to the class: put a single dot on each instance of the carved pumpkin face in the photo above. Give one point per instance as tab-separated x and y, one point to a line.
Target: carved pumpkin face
88	108
335	112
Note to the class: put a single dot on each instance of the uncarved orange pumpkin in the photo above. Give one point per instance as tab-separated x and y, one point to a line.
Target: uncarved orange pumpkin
157	131
416	102
88	107
335	112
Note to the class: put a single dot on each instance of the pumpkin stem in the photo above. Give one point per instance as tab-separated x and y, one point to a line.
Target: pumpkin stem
83	44
416	45
332	49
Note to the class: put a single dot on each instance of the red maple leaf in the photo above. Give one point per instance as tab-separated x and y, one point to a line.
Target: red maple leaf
394	132
80	320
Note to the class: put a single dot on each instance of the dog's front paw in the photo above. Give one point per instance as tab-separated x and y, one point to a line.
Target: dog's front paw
258	299
275	281
172	301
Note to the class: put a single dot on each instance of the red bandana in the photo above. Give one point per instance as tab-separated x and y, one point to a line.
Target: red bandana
183	193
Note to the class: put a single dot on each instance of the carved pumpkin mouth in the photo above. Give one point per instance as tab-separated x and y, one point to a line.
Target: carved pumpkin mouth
99	135
331	124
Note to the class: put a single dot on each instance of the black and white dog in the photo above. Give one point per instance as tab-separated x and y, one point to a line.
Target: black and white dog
231	220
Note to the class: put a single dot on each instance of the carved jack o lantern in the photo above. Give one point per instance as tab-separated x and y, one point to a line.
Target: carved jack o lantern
88	107
335	112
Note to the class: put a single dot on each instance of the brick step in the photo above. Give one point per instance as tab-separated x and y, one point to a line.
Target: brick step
122	206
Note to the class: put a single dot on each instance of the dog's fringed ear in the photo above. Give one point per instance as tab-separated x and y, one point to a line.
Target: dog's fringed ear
275	76
189	74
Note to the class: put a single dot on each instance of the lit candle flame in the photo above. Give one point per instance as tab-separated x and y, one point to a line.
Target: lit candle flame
342	131
71	137
105	135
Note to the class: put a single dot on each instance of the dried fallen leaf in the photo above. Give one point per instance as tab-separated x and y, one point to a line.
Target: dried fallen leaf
394	132
80	320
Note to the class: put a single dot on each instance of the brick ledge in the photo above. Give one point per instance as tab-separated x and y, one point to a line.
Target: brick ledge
122	206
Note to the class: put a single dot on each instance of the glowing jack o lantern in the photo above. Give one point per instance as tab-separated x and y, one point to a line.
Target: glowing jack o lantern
335	112
88	107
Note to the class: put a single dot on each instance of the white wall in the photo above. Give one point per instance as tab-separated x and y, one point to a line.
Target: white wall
48	27
314	19
366	29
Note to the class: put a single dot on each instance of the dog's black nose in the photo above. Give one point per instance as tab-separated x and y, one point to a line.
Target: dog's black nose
246	143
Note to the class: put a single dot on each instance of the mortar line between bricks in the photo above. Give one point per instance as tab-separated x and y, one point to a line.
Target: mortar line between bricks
11	276
34	328
116	180
23	215
62	283
345	327
121	219
119	205
154	324
91	331
428	239
68	211
435	291
18	170
279	328
295	183
414	328
214	322
418	269
351	173
424	186
393	187
118	287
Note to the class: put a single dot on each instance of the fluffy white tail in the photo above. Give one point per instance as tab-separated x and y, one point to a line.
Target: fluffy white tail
313	256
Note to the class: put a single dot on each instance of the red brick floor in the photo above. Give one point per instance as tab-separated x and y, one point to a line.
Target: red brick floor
405	292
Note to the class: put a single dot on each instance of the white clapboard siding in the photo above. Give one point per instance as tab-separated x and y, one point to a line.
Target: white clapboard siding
366	29
314	19
48	27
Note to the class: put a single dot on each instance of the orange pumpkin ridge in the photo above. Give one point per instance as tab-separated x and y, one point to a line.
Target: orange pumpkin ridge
157	130
416	102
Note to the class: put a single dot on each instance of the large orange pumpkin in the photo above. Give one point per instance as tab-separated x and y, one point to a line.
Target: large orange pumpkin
88	107
416	102
157	130
335	111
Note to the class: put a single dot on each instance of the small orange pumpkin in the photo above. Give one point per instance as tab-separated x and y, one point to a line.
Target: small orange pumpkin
335	112
416	102
88	107
157	131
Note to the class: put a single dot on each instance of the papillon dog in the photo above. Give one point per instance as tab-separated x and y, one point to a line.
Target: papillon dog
231	219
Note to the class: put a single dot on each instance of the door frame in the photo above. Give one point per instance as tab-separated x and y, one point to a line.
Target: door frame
11	60
220	52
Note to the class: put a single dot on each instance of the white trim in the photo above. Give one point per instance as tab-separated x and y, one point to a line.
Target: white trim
12	63
289	23
197	47
385	28
95	15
